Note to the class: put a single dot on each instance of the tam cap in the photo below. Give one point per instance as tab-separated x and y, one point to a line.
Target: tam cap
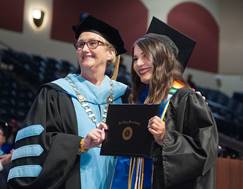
92	24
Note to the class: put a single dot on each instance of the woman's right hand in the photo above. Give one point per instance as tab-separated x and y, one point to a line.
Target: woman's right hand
95	137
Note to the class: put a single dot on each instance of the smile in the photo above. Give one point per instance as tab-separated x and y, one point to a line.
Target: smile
144	70
87	57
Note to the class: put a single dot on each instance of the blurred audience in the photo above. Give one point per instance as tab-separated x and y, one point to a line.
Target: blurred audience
5	157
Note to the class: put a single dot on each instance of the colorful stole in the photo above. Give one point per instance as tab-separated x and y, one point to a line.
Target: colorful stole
136	167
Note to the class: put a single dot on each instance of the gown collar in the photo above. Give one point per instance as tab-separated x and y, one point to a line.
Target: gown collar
98	94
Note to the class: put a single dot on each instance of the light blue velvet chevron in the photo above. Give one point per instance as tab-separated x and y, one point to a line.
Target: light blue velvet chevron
24	171
32	130
27	151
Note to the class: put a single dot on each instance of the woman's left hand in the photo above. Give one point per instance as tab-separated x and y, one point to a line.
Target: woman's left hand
157	128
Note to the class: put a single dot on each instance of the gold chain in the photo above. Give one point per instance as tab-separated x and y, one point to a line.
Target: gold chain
85	105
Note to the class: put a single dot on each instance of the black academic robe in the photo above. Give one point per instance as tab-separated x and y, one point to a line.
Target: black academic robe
54	110
187	158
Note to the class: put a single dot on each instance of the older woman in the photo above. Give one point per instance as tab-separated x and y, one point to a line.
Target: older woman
58	146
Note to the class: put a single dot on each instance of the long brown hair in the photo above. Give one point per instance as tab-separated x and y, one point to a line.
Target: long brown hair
166	67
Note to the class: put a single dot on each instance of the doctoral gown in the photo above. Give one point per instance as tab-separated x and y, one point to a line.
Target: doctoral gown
187	157
46	154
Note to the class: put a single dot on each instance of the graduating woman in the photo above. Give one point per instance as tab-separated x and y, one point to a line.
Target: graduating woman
186	140
58	145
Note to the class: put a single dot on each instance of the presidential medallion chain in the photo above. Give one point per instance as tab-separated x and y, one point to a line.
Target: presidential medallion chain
85	105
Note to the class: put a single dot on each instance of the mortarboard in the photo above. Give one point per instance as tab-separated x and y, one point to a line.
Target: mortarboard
184	44
111	34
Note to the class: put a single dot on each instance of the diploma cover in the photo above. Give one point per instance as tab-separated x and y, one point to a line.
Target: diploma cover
128	133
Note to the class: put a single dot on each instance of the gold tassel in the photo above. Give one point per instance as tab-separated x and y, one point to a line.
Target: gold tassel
139	176
131	168
142	172
116	68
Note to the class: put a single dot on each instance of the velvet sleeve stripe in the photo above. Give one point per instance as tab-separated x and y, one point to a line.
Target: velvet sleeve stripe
27	151
24	171
32	130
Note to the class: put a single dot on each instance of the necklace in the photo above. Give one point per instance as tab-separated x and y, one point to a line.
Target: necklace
85	105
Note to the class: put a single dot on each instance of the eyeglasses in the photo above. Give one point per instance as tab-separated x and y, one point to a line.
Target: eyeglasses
92	44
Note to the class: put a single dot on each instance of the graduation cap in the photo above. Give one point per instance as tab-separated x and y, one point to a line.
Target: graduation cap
111	34
184	44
